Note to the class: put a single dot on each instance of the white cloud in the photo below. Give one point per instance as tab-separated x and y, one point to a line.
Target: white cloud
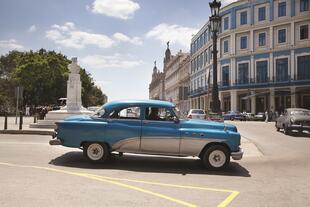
173	33
124	38
68	35
226	2
32	28
122	9
115	61
11	44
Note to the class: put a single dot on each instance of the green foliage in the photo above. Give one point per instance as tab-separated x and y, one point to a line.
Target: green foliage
43	76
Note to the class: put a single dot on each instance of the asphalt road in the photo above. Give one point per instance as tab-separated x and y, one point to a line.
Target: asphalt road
32	173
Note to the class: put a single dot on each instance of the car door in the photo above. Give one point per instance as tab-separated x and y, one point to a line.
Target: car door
124	129
160	131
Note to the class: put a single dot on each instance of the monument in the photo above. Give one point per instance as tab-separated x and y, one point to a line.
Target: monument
74	100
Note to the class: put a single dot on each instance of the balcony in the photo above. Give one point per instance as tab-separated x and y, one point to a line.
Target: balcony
261	84
198	92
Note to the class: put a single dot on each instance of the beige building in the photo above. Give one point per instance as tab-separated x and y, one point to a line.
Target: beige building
173	83
157	86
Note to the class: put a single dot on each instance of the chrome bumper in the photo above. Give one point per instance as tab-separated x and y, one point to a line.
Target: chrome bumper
237	155
54	140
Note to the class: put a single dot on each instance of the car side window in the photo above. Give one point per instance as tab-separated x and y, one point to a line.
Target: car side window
126	113
159	114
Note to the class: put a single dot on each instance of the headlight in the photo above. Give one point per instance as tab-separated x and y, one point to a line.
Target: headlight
292	121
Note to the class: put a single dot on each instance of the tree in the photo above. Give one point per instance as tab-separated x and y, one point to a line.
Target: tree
43	75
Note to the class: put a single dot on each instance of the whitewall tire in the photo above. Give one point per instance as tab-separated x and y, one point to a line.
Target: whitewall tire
96	152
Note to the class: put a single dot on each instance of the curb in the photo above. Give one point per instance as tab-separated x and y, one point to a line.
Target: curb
33	132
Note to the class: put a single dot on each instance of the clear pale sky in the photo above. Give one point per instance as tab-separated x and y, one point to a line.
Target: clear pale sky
116	41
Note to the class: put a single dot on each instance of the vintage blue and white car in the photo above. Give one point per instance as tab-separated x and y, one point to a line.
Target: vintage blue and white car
148	127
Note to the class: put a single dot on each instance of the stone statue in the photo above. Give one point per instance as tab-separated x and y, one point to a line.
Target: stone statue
168	43
73	67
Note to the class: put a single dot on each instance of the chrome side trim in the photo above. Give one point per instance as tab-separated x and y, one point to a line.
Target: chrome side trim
193	146
127	145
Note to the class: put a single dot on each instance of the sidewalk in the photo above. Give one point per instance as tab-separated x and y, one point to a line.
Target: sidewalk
14	128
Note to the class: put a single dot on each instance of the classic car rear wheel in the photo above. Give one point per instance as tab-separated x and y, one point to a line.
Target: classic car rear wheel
95	152
216	157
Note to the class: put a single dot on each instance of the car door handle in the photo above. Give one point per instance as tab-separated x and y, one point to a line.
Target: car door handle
146	122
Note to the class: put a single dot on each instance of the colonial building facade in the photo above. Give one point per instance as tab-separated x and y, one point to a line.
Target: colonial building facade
264	57
173	83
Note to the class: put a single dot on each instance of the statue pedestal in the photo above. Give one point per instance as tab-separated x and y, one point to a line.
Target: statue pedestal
74	101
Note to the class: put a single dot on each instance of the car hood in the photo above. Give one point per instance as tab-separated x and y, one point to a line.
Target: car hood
203	124
78	118
300	118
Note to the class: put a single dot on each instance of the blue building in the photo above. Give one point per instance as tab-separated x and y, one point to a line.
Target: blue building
264	57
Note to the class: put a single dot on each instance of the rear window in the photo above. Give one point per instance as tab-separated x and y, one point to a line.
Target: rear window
198	112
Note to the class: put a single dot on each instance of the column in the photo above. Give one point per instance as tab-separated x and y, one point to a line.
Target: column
233	71
253	103
252	40
233	43
271	37
293	97
272	100
293	65
233	100
221	100
271	67
252	69
292	33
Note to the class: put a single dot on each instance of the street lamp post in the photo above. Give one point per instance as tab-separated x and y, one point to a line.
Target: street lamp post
215	21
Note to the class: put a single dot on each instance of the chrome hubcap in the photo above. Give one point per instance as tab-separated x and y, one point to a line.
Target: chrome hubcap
217	158
95	151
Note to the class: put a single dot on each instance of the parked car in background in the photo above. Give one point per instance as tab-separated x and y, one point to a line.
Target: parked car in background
249	116
260	116
294	119
197	114
215	117
234	115
156	129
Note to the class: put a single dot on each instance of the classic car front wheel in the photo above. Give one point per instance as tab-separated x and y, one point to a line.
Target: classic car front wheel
216	157
96	152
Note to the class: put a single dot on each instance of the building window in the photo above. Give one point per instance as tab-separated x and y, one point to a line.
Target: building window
262	39
243	73
282	36
226	23
225	46
261	71
304	5
244	18
262	14
282	9
304	32
244	42
225	76
282	69
303	71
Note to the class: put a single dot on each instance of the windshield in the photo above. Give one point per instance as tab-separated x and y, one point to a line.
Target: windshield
304	113
99	113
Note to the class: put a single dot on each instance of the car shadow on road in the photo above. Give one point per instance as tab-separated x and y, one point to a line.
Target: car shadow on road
152	164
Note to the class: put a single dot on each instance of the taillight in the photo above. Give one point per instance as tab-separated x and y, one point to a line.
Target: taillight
189	116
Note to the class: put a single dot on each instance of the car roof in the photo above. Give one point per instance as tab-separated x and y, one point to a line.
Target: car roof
297	109
124	103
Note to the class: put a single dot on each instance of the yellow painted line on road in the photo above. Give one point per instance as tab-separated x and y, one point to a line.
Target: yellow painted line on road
113	180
